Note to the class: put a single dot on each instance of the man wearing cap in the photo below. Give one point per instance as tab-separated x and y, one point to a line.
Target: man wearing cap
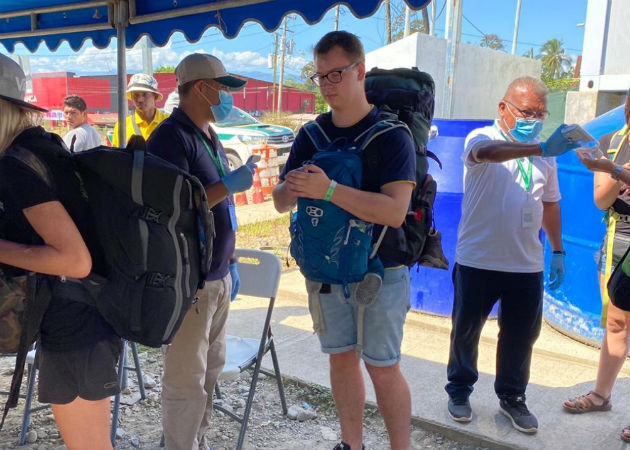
143	91
195	358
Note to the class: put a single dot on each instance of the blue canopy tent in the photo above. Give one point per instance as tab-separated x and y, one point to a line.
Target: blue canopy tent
32	22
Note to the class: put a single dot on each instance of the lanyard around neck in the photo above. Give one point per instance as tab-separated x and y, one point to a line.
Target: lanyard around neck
214	156
527	176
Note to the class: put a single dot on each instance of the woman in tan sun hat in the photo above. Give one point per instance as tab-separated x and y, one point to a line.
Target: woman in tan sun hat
142	89
47	229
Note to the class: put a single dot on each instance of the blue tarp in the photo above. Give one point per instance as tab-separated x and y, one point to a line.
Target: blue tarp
32	22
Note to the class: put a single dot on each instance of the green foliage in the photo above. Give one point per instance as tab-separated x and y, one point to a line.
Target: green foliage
529	53
556	64
492	41
563	84
165	69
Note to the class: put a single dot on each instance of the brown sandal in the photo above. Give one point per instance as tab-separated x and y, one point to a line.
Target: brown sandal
625	433
582	404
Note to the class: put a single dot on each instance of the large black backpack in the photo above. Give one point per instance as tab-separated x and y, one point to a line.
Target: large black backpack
156	232
409	96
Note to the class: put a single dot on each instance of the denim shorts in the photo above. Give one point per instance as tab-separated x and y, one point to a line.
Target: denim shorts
383	323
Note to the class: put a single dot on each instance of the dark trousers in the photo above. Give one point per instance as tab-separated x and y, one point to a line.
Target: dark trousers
520	320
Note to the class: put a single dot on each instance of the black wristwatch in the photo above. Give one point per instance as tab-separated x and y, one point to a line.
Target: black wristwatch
559	252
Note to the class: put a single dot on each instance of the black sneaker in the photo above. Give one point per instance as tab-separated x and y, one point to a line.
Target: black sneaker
460	410
343	446
515	409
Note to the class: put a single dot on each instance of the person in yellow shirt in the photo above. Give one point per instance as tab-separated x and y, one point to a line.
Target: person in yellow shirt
142	89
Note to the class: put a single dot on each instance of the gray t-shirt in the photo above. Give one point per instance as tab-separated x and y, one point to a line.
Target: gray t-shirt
86	138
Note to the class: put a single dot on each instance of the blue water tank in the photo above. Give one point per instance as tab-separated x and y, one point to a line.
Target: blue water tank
575	307
432	289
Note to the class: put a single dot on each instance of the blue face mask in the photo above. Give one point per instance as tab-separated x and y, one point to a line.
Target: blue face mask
525	130
222	110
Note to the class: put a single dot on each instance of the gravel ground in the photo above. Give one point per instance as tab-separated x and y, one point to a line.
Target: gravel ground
315	428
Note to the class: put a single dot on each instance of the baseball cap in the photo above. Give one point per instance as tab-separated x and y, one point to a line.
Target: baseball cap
142	82
13	84
199	66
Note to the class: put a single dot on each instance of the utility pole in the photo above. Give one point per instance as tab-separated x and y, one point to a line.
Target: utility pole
433	18
452	34
275	70
147	57
388	22
337	18
516	20
425	21
283	45
407	21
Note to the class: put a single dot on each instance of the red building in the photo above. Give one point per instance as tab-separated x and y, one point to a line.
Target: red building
99	92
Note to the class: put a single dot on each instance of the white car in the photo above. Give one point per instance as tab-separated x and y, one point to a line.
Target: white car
240	133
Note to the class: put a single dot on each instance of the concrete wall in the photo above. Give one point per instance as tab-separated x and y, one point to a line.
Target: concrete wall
606	48
605	71
481	74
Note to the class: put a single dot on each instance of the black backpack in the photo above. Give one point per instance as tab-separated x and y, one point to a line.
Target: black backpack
156	232
408	95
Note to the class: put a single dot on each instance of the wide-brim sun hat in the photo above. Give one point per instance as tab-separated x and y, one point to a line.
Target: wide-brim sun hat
201	66
142	82
13	84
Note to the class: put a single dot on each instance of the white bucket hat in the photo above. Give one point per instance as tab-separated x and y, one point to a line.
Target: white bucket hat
199	66
13	84
142	82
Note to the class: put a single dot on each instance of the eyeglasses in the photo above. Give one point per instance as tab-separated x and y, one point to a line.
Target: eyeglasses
528	114
334	76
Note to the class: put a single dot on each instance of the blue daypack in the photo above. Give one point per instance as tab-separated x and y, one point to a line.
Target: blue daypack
329	244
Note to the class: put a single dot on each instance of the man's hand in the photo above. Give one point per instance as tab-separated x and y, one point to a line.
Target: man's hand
309	181
556	271
558	144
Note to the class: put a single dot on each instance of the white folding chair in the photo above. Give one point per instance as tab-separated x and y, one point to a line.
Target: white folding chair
259	272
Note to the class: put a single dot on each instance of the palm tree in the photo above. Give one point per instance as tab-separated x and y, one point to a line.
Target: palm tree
492	41
555	62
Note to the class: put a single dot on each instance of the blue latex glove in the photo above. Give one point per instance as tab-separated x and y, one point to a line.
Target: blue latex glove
557	144
240	179
556	271
236	281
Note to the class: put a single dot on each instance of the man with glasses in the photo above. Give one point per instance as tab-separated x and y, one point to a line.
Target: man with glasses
510	192
195	358
339	60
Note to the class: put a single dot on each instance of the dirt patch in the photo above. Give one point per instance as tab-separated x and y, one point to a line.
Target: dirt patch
140	422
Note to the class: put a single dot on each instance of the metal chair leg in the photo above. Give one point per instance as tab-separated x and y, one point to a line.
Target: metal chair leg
26	420
121	374
138	370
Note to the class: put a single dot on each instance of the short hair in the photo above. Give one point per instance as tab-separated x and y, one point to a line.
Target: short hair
185	88
74	101
348	42
534	84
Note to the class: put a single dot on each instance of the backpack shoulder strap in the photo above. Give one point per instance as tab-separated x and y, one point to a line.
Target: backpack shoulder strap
380	127
317	135
134	124
28	158
617	141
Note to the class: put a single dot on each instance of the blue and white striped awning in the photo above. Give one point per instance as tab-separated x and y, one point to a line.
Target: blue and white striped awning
32	22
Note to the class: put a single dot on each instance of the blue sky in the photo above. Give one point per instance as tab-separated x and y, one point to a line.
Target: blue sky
540	21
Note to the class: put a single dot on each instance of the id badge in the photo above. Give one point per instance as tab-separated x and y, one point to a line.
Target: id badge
233	222
527	217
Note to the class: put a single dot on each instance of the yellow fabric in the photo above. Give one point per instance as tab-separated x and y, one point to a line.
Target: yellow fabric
613	217
145	128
